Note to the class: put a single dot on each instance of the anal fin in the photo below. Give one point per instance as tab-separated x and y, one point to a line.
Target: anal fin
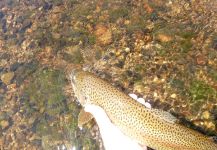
84	117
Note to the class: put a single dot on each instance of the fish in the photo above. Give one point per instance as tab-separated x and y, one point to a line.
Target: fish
155	128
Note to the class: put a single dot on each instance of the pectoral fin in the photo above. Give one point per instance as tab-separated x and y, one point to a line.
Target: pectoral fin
166	116
84	117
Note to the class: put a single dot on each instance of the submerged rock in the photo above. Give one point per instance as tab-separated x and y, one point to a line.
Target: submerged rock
7	77
103	34
4	124
164	37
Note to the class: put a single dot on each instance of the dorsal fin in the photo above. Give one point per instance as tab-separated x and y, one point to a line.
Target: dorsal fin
84	117
166	116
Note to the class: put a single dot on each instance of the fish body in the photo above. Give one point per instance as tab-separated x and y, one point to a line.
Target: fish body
151	127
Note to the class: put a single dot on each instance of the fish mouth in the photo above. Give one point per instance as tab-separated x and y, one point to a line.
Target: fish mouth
73	75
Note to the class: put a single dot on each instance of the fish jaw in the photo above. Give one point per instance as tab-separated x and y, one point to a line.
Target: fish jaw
78	92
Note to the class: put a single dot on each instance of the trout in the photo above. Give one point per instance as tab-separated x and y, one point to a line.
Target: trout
154	128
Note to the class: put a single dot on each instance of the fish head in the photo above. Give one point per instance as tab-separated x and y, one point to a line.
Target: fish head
77	82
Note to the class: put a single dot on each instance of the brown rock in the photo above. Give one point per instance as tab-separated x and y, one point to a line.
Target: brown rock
164	37
210	125
4	124
103	34
12	86
201	59
173	95
48	50
206	115
56	35
148	8
7	77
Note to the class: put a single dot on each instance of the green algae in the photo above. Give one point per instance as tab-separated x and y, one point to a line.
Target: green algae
91	39
81	12
46	91
137	24
161	51
181	38
186	45
88	144
213	74
187	34
43	128
82	35
167	42
45	99
200	91
118	13
160	24
178	84
75	57
25	70
139	67
98	54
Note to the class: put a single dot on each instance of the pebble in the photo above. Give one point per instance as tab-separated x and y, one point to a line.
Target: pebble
4	124
3	115
209	125
31	120
148	8
201	60
164	37
155	79
139	88
127	49
173	95
7	77
155	94
12	86
206	115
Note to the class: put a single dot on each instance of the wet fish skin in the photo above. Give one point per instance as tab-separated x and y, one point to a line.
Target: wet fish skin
151	127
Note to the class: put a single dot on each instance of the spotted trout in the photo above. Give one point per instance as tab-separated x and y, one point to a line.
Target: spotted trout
154	128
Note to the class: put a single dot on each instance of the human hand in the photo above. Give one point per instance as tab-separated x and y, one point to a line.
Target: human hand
113	138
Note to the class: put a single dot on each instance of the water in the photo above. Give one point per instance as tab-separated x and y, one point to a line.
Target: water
163	51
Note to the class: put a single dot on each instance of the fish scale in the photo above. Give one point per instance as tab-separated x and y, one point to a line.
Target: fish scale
147	126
